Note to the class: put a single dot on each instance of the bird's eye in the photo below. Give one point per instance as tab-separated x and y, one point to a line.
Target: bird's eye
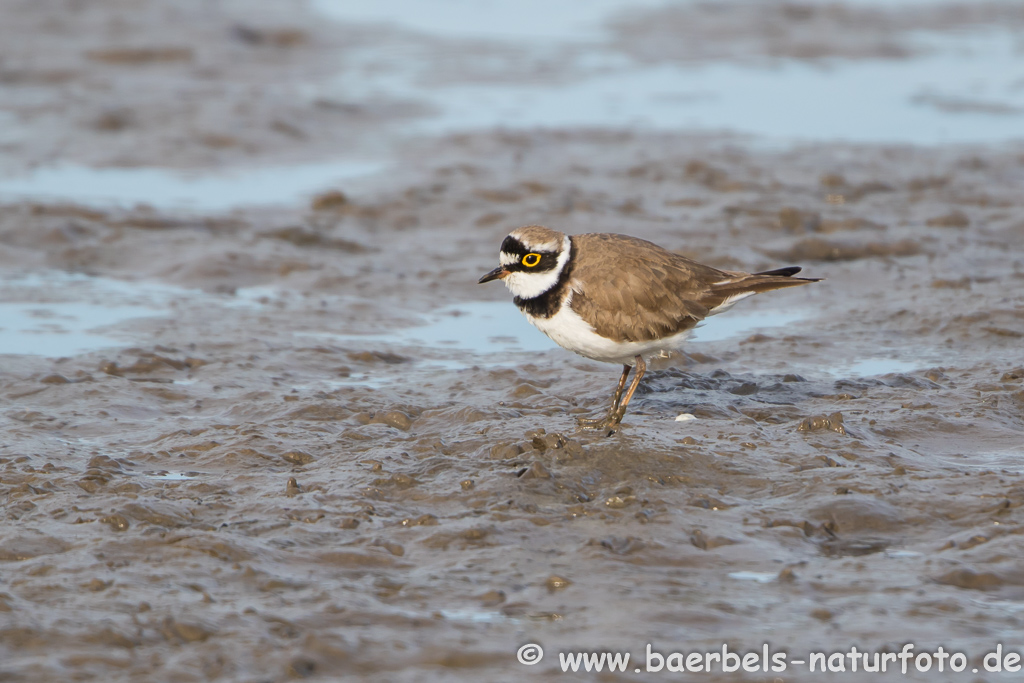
530	260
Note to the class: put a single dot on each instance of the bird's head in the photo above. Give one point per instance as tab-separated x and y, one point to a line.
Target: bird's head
532	259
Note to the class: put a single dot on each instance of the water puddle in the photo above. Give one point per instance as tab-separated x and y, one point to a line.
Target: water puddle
1007	460
864	101
39	317
1007	606
473	617
57	330
759	577
166	189
171	476
563	20
481	327
733	323
962	87
873	367
360	379
491	331
490	20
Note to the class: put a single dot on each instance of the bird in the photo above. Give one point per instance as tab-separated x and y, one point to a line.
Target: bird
619	299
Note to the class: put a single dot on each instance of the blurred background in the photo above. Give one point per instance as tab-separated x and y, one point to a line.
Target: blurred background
328	88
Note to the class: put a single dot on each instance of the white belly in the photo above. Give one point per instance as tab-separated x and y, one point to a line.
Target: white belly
570	331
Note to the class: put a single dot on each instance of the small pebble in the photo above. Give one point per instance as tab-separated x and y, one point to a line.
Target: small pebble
115	522
535	471
393	418
556	583
298	457
492	598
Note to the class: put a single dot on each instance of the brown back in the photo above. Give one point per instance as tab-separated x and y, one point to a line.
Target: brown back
638	291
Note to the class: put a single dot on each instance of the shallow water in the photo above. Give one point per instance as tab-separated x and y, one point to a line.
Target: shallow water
963	87
494	328
55	313
739	323
62	329
209	191
172	476
562	19
757	577
868	101
1005	460
870	367
481	327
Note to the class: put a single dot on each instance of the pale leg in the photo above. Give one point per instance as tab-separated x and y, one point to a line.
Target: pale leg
619	403
599	423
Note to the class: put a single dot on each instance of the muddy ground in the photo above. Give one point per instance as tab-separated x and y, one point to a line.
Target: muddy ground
248	490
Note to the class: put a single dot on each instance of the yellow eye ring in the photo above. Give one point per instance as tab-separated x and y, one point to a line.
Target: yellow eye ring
530	260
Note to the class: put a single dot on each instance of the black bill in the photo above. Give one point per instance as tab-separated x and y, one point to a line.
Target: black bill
496	274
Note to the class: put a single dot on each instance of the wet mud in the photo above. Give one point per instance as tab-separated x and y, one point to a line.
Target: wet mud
815	32
282	455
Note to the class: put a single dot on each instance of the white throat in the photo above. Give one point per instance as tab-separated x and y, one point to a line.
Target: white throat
527	285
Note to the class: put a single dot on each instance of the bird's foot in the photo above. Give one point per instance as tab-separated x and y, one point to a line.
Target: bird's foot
610	423
590	423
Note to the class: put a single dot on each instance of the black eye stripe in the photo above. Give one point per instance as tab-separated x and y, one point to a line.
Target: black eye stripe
548	261
512	247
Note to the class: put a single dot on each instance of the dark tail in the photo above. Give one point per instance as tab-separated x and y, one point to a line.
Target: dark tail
789	271
745	285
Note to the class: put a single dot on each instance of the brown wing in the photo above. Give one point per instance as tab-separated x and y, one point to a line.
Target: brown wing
638	291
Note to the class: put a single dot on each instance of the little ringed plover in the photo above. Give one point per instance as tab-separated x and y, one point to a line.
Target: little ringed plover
619	299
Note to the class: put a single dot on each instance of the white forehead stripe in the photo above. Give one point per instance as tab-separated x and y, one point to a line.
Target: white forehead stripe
553	245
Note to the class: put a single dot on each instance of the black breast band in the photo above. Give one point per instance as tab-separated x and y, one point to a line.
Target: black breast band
548	303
